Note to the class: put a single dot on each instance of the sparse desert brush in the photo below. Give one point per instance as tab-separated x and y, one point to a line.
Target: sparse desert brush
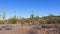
32	31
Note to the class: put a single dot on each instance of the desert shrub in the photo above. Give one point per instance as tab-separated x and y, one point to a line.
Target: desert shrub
46	27
1	22
4	26
33	31
0	28
8	28
22	23
41	21
27	20
12	20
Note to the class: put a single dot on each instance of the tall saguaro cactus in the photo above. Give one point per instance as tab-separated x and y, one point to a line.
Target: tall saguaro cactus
32	15
15	18
3	15
32	18
14	14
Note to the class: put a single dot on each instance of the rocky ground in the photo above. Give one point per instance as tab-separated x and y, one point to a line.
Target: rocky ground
18	29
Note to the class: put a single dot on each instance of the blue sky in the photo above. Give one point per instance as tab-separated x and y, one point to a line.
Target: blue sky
25	7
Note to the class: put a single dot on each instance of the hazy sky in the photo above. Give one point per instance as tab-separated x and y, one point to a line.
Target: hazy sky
25	7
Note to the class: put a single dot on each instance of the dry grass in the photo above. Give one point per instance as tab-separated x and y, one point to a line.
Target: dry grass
18	29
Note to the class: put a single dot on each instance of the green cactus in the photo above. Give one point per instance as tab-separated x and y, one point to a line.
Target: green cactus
3	15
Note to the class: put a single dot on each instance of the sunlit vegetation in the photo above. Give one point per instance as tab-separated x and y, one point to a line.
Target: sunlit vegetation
51	19
1	21
12	20
40	20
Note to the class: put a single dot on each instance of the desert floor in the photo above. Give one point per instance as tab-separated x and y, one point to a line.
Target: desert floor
14	29
18	29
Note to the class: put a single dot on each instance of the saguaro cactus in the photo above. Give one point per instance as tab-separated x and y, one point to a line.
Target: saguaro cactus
32	15
32	18
15	14
15	18
3	15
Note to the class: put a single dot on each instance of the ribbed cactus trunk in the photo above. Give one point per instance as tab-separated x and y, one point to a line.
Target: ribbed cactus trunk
15	14
3	16
32	16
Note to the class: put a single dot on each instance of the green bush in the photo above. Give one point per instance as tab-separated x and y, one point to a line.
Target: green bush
12	20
